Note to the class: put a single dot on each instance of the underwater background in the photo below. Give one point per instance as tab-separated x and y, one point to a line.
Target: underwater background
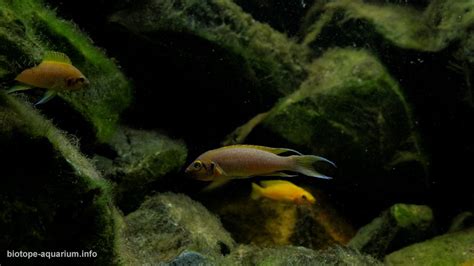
383	88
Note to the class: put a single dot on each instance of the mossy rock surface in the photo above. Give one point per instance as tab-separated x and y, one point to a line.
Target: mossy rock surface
139	159
400	225
270	55
28	29
290	255
168	224
431	30
425	47
449	249
352	112
50	193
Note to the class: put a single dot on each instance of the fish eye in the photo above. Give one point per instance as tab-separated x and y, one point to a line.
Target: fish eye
304	197
81	80
197	165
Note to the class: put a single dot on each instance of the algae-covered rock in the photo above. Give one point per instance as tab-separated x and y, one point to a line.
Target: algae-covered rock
166	225
269	223
352	112
268	53
441	23
28	29
51	197
449	249
205	58
290	255
415	44
397	227
142	158
425	48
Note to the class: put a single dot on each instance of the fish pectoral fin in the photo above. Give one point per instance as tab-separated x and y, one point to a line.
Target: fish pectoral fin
19	88
280	174
47	97
218	182
218	171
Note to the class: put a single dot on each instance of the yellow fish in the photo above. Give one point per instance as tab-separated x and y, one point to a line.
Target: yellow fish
281	190
55	73
243	161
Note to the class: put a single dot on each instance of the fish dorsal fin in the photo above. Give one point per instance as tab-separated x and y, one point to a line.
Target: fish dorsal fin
264	148
56	57
269	183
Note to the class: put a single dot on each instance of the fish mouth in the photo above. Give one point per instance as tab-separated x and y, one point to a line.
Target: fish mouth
189	172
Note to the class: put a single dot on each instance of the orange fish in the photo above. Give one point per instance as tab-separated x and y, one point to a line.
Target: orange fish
55	73
281	190
243	161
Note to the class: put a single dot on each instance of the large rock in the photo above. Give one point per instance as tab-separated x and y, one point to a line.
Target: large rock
266	51
352	112
27	30
417	41
195	59
289	255
442	23
397	227
450	249
51	196
138	160
429	52
168	224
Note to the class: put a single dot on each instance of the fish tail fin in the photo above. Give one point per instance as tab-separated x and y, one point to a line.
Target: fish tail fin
256	191
304	164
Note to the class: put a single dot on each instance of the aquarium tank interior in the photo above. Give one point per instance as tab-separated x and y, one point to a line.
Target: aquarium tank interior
236	132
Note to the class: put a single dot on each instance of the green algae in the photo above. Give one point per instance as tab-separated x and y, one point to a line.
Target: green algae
65	187
349	102
400	225
276	61
442	23
412	215
166	225
143	157
449	249
291	255
28	29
